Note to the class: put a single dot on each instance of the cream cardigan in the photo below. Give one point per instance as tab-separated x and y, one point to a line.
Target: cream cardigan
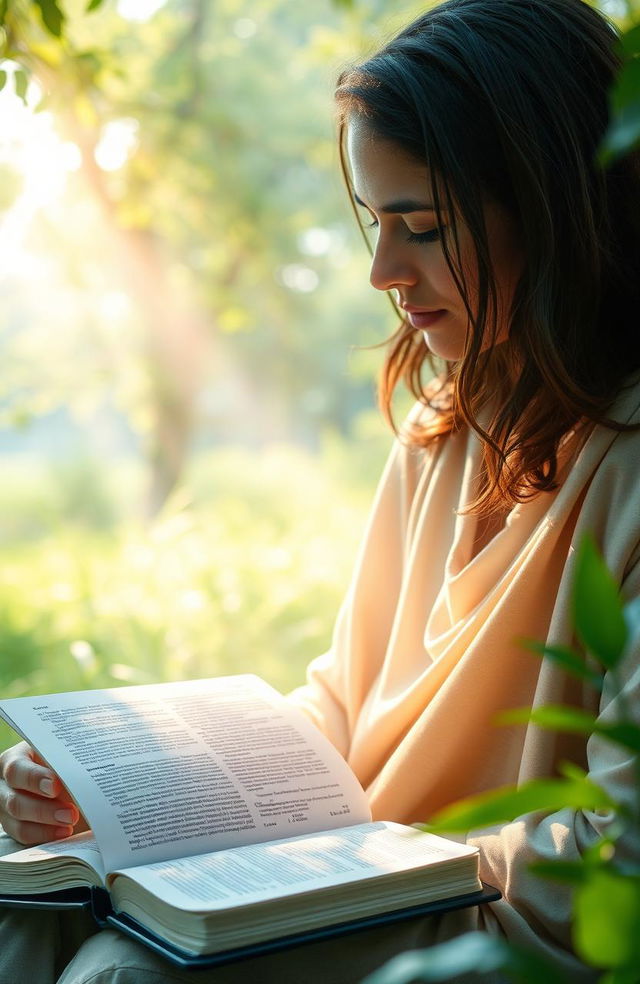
426	653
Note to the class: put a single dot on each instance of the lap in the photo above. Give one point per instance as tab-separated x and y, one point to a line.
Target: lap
36	945
65	948
111	958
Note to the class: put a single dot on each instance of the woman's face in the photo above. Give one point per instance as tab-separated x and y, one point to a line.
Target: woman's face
408	257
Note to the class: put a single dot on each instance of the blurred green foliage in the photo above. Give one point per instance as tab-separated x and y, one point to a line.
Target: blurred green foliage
624	129
180	256
242	572
207	174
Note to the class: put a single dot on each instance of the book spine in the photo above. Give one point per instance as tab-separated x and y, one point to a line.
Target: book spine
101	906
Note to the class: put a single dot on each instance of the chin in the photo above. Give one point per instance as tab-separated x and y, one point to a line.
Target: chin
442	349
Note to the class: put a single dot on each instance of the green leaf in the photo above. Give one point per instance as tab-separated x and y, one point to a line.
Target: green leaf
594	857
607	919
93	5
4	4
503	805
3	79
568	659
569	770
555	717
572	872
597	607
21	83
52	16
470	953
625	733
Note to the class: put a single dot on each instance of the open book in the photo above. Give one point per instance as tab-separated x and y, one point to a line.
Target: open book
221	819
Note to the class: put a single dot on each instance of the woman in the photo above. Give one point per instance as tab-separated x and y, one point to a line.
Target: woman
470	143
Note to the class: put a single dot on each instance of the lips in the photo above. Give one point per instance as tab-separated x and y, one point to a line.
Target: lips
420	318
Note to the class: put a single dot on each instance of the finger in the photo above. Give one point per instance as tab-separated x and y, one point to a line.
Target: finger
34	833
21	771
36	809
64	793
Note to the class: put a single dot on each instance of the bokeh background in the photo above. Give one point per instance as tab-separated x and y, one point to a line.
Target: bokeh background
188	432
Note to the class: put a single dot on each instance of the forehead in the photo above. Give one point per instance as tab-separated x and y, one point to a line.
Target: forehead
382	171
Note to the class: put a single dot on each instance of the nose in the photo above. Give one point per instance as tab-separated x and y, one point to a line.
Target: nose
390	267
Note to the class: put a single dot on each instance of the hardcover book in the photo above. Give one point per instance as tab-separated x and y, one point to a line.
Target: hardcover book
222	823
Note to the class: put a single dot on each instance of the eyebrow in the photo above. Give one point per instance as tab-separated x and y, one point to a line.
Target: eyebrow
401	207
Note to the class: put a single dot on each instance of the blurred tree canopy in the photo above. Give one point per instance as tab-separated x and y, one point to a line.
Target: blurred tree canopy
205	213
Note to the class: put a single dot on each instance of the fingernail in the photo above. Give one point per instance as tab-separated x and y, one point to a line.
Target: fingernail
63	816
46	787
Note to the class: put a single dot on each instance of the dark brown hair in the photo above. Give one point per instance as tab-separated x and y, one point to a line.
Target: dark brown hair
508	100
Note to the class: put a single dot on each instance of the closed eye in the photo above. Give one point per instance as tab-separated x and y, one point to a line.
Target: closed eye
431	236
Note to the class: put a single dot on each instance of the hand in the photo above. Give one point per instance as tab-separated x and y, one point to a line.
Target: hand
34	805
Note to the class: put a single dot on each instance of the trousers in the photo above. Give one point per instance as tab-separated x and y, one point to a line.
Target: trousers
49	947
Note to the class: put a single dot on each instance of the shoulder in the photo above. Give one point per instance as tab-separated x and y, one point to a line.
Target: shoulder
625	409
608	466
615	449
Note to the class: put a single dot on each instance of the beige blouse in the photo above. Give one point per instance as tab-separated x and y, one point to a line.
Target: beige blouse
426	652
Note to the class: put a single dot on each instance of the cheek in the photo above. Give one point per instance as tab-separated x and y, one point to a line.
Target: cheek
443	280
464	271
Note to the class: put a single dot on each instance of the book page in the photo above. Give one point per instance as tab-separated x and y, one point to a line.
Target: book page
169	770
81	847
263	872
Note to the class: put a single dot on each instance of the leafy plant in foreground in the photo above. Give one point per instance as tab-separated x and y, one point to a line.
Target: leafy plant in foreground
606	887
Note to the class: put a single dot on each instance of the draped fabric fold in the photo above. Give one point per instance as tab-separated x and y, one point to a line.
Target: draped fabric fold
428	647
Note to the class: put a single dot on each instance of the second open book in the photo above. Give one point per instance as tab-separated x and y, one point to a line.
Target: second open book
220	817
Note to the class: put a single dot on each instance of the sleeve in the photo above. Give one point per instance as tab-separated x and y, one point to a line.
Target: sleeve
338	681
